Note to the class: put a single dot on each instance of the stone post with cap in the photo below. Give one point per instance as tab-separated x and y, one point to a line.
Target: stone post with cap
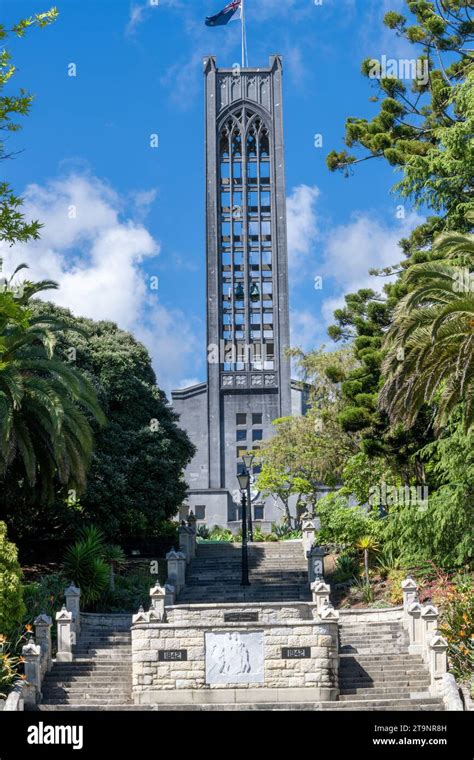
158	598
410	595
73	604
429	626
43	625
31	654
65	635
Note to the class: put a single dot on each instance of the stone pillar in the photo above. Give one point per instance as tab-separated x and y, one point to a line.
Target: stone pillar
174	571
410	595
31	653
170	595
66	635
429	618
43	625
315	564
192	537
308	528
73	604
438	661
321	594
184	541
415	631
158	597
181	569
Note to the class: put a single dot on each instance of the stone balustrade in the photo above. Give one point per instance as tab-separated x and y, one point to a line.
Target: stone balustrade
421	623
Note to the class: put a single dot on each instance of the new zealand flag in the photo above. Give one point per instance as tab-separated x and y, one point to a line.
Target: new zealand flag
224	16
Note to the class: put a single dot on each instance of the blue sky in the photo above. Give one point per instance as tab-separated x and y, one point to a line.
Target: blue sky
121	216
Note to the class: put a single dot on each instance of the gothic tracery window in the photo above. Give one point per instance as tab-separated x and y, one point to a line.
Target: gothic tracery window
246	239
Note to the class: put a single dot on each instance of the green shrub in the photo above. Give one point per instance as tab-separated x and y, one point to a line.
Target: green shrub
218	533
386	561
203	533
347	567
345	525
12	608
258	535
395	578
85	566
293	535
131	590
45	595
367	591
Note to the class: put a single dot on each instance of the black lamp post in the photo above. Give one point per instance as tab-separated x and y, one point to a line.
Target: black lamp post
244	481
247	460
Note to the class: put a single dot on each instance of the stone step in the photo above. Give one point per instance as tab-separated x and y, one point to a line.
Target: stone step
86	682
278	707
100	690
371	625
121	641
83	699
371	650
108	673
92	653
388	658
380	669
379	693
356	683
404	704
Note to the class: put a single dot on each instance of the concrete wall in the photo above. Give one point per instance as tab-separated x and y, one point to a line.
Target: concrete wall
191	405
221	504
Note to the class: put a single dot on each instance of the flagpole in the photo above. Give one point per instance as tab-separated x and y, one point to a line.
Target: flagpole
242	23
245	55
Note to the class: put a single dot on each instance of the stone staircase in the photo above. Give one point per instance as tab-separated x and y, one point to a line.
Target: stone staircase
377	672
100	677
278	572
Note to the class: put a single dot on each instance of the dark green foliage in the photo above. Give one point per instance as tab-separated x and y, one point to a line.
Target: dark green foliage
45	435
135	481
46	595
12	607
84	565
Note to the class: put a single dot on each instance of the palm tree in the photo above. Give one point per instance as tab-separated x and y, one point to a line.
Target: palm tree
43	400
430	358
367	544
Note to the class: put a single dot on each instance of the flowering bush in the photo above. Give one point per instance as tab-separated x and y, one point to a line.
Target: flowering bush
11	661
457	626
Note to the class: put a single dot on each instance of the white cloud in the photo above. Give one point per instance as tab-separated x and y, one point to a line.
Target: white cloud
305	328
96	256
352	249
136	17
302	227
139	12
348	252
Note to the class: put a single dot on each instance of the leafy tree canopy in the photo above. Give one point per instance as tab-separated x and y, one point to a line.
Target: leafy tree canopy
135	481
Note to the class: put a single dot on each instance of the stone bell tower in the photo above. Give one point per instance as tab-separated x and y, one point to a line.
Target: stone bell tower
248	376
